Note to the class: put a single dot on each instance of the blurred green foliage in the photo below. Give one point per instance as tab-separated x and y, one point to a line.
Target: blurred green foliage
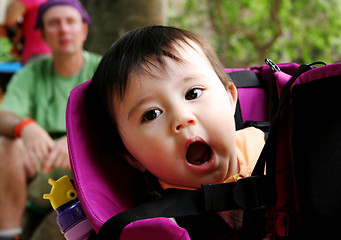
245	32
5	50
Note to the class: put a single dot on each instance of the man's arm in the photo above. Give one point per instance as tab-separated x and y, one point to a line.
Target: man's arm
37	141
8	121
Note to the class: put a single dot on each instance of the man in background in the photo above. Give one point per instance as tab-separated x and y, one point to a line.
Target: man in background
33	143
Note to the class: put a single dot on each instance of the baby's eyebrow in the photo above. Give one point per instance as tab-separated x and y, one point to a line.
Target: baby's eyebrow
193	76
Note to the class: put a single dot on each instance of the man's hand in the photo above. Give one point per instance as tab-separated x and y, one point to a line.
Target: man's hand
40	145
37	141
59	156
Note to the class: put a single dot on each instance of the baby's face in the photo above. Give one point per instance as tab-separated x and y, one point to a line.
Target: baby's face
179	124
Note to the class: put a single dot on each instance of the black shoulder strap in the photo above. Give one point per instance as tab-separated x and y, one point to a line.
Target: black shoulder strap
270	146
254	221
210	198
238	117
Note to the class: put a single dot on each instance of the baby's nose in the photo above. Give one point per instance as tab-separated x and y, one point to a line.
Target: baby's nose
182	120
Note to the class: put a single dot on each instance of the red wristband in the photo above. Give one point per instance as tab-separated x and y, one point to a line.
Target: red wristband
19	127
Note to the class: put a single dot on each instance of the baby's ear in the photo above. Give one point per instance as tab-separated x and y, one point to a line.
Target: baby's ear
234	94
133	162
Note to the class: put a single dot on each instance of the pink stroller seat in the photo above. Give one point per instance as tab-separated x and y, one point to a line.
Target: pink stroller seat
106	186
100	181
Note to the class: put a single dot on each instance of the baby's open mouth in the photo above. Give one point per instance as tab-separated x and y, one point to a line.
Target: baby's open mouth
198	153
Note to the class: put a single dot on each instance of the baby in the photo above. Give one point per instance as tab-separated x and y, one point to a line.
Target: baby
171	107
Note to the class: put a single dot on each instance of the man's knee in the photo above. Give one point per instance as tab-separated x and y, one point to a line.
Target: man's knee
12	154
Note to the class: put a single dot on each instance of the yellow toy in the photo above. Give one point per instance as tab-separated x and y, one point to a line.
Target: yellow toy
62	192
71	219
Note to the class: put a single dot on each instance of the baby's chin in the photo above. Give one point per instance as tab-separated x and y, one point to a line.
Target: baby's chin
216	178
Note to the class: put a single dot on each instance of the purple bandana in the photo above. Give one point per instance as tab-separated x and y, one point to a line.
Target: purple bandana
72	3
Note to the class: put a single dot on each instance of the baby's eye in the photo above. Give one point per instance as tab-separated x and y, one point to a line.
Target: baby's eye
193	93
151	115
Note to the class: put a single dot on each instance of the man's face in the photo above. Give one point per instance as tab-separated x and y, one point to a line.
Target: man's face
179	123
64	30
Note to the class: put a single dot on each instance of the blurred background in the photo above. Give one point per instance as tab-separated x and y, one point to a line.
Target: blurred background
243	32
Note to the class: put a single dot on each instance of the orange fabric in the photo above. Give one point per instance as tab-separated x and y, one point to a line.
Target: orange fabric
250	142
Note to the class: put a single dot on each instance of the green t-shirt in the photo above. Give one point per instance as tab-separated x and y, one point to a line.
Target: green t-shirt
36	91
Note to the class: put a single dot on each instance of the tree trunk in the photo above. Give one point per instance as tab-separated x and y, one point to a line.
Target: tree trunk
112	18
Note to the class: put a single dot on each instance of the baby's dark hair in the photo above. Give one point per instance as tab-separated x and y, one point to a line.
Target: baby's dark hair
136	52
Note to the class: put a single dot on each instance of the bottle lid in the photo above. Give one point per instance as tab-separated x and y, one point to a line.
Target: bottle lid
62	192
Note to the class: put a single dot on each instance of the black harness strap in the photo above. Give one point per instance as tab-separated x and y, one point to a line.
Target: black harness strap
247	193
238	117
270	148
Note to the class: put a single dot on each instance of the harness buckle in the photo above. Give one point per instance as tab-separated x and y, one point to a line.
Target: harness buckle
252	193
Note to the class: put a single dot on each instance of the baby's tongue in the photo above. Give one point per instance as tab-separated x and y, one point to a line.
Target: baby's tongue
198	153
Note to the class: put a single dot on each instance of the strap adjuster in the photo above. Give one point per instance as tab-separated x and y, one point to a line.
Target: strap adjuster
252	193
